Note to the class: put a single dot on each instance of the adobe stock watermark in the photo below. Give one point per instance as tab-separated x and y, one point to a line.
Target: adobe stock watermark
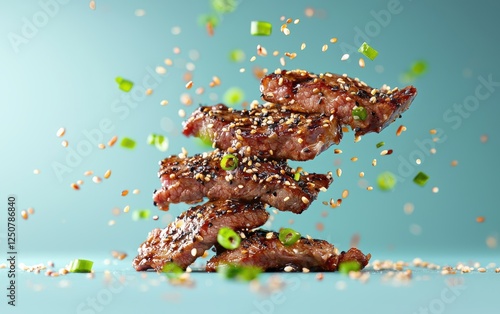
98	302
122	108
267	306
32	25
447	296
453	116
373	28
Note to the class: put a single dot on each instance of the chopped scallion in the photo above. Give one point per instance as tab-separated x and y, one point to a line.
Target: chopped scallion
239	272
172	270
141	214
233	96
260	28
296	176
161	143
368	51
346	267
224	6
359	113
421	178
123	84
228	238
386	181
380	144
229	162
80	266
288	236
237	55
127	143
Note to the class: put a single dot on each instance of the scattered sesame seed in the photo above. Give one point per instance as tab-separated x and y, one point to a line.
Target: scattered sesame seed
92	5
160	70
242	70
484	138
96	179
481	269
369	188
345	193
361	174
149	91
480	219
111	223
189	84
64	143
168	61
497	270
288	269
112	141
305	200
408	208
24	215
344	57
361	62
79	182
400	130
75	186
126	209
432	151
282	61
435	189
433	131
333	40
61	132
303	46
101	146
305	270
354	159
107	174
286	31
418	161
374	162
337	151
319	276
182	113
324	48
36	171
124	192
193	252
339	172
31	211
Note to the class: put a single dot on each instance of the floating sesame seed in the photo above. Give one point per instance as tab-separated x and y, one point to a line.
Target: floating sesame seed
75	186
242	70
374	162
101	146
418	161
324	48
149	91
61	132
333	40
481	269
435	189
88	173
111	222
176	50
320	276
361	62
181	113
433	131
286	31
339	172
269	235
305	200
497	270
344	57
124	192
345	193
36	171
96	179
189	84
303	46
354	159
337	151
168	61
282	61
193	252
252	59
92	5
369	188
31	211
107	174
400	130
112	141
64	143
126	209
24	215
357	139
480	219
160	70
361	174
288	269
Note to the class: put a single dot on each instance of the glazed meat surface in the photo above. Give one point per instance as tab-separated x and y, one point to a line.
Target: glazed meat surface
190	179
265	131
329	93
264	249
195	231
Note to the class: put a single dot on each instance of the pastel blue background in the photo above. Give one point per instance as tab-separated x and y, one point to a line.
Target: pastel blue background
63	76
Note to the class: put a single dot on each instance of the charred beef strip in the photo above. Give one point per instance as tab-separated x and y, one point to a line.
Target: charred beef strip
265	131
190	179
329	93
195	231
263	249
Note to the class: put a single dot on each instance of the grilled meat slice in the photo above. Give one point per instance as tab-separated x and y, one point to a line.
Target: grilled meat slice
264	249
265	131
330	93
195	231
190	179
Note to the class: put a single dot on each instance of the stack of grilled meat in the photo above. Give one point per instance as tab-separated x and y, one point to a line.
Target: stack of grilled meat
303	117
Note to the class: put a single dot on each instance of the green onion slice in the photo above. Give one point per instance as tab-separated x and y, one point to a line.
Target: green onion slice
260	28
368	51
151	138
386	181
233	96
161	143
421	178
228	238
346	267
296	176
127	143
359	113
288	236
123	84
80	266
224	6
237	55
380	144
419	67
172	270
229	162
239	272
141	214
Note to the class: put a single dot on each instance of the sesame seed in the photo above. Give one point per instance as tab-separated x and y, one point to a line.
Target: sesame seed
124	192
149	91
36	171
79	182
497	270
354	159
64	143
181	113
435	189
75	186
155	217
88	173
61	132
480	219
31	211
339	172
319	276
324	48
286	31
345	194
400	130
252	59
303	46
369	188
101	146
96	179
433	131
193	252
189	84
269	235
337	151
374	162
361	174
107	174
305	200
288	269
160	70
481	270
112	141
344	57
24	215
92	5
